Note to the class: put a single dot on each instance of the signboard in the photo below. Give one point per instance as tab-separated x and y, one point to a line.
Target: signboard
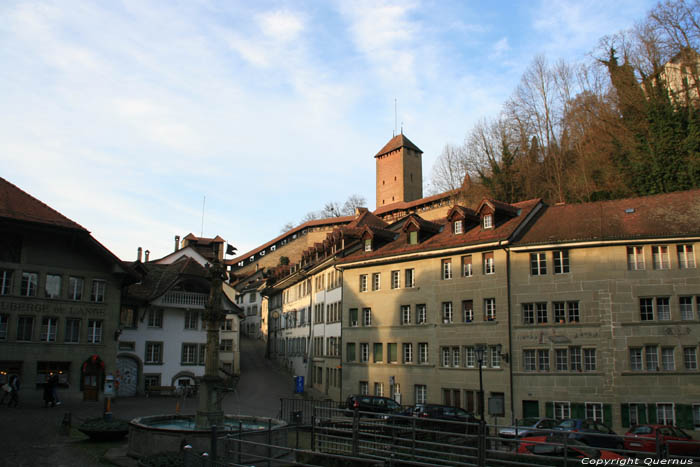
497	406
298	384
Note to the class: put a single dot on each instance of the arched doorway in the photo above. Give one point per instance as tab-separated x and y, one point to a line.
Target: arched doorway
127	376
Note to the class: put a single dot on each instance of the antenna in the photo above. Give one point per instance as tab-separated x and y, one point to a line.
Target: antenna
203	201
395	116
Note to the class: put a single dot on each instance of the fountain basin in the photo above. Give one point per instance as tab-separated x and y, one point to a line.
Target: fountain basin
168	433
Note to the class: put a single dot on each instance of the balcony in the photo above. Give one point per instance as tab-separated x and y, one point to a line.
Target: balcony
183	299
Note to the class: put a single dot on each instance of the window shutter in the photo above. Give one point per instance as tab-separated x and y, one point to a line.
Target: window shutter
578	410
549	409
651	412
684	416
625	412
607	414
642	413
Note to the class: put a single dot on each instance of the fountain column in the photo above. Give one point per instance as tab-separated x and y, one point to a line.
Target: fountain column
209	411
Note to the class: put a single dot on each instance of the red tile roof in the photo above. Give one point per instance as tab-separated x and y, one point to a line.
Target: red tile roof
397	142
666	215
18	205
401	205
204	240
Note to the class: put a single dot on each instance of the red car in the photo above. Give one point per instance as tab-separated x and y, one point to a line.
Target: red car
549	445
672	440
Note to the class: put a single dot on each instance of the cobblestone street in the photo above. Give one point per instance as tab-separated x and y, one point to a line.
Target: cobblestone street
31	435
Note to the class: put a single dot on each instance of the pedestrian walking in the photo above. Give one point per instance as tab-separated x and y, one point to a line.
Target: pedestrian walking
49	401
54	389
6	390
14	391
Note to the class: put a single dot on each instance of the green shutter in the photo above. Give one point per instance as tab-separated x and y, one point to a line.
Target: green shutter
578	410
353	316
378	352
684	416
607	414
351	353
651	412
625	412
642	412
393	357
549	409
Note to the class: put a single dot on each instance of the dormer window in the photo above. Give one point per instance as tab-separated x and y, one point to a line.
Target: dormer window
488	221
368	244
413	238
457	227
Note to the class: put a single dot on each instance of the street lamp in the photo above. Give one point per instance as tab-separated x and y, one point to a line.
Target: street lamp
275	317
479	351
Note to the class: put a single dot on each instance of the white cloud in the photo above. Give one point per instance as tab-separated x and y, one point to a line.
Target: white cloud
282	26
500	48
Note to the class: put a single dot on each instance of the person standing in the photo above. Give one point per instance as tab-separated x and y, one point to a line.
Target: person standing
14	393
54	389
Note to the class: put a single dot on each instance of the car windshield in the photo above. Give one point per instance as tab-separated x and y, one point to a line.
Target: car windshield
641	430
568	424
528	422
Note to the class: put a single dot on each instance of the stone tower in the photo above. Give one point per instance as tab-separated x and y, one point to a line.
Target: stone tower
399	172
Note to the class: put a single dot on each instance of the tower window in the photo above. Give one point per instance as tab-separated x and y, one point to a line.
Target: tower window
394	178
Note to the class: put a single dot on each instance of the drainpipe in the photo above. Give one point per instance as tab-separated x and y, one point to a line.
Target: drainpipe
309	358
510	337
340	349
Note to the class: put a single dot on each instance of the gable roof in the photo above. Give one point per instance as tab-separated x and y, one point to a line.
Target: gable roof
659	216
397	142
18	205
405	205
160	278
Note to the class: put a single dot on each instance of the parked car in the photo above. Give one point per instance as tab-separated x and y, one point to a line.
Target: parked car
672	440
528	427
591	432
377	405
436	412
551	445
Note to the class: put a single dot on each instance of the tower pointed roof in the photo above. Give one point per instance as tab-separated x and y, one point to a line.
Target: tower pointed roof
397	142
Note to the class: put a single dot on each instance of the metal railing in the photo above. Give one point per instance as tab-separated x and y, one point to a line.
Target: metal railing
185	298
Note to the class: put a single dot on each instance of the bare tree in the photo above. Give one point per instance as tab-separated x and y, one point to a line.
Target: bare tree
354	201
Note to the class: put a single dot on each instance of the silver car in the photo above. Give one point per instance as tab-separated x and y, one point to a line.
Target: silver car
528	427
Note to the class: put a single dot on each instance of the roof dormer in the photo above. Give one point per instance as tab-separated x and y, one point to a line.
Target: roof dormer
492	213
418	230
462	219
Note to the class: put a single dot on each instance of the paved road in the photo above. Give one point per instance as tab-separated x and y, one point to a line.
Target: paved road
30	435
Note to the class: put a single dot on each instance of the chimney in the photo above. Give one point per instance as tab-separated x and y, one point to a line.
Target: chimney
138	256
177	242
148	252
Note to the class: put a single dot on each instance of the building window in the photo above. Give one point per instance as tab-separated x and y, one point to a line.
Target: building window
364	353
5	281
562	410
488	221
468	310
538	264
686	307
635	258
4	320
490	309
589	360
155	318
646	309
660	257
72	330
202	355
663	308
541	313
690	358
363	282
559	312
561	261
456	353
686	256
467	266
496	357
52	288
457	227
421	314
353	317
408	353
97	294
226	345
189	354
422	352
421	391
405	314
529	362
25	326
446	269
151	380
652	355
379	389
226	325
636	359
696	416
395	279
413	238
667	359
391	350
562	359
366	316
410	276
665	414
447	312
378	353
489	265
376	281
543	360
364	388
75	288
573	312
368	244
29	284
94	331
594	410
446	356
469	357
48	329
192	320
575	358
529	313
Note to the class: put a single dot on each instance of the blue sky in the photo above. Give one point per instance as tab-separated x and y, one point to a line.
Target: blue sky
124	115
